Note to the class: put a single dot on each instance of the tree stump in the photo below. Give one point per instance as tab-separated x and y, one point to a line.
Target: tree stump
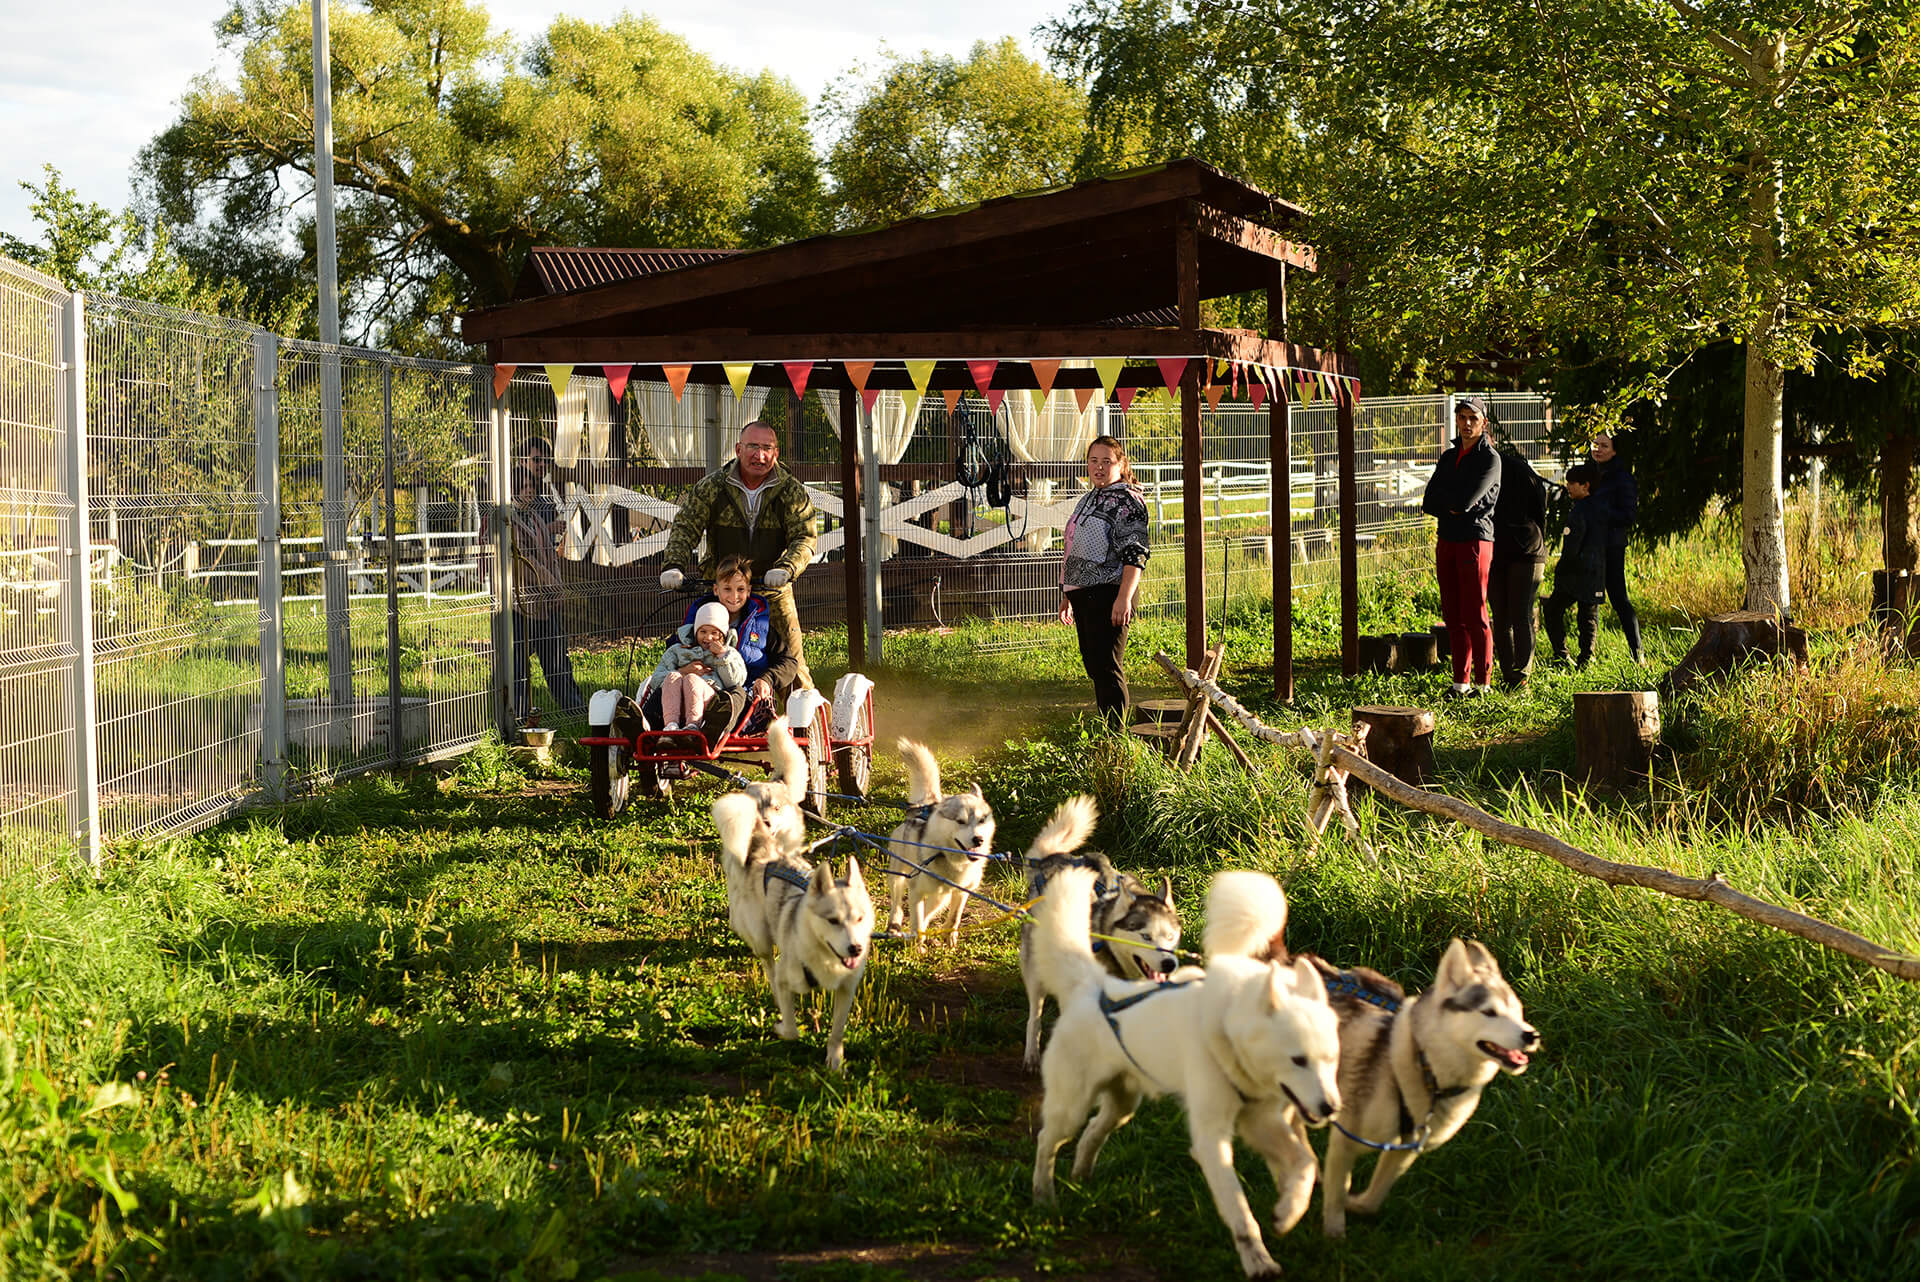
1614	735
1399	740
1728	640
1164	735
1441	642
1161	711
1380	653
1418	652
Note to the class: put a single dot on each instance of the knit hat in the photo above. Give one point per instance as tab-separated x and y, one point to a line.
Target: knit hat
712	614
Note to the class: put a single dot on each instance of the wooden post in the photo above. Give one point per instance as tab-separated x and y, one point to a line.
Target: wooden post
1280	487
850	528
1349	499
1614	735
1398	740
1194	530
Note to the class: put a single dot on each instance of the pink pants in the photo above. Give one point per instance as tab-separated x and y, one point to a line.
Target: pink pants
1463	571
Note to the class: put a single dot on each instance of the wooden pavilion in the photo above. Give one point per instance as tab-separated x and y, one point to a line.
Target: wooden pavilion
1097	269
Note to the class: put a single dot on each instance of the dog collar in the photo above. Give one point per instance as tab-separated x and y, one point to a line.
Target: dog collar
1346	984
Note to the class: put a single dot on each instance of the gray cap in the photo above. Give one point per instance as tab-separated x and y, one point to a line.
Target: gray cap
1476	403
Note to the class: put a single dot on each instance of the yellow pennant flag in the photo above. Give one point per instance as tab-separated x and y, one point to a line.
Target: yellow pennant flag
919	373
558	376
737	372
911	399
1109	367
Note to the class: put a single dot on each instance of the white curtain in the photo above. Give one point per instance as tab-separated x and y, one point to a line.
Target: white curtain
586	415
698	428
1058	432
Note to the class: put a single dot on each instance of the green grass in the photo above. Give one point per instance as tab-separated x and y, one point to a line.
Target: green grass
446	1025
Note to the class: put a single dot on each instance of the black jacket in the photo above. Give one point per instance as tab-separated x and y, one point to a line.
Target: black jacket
1520	514
1462	493
1582	572
1616	499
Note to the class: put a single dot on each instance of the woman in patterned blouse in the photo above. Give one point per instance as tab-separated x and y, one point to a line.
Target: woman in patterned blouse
1106	548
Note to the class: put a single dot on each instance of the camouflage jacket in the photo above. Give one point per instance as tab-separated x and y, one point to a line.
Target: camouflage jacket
783	537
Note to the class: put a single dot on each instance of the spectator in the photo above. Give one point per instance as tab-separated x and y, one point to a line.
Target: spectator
1518	567
1462	494
1617	500
1105	552
1580	577
539	624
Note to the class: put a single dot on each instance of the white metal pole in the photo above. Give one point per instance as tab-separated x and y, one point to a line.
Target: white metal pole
86	759
333	450
266	466
871	484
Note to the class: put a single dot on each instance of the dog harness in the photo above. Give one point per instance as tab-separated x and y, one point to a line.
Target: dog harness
1111	1006
1413	1138
787	873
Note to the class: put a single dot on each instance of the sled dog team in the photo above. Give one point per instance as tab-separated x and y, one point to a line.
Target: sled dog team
1257	1044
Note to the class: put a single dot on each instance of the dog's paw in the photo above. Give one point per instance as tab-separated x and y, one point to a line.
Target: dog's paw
1334	1226
785	1030
1254	1258
836	1060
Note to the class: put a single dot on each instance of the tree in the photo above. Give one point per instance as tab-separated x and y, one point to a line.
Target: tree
1635	178
456	151
936	132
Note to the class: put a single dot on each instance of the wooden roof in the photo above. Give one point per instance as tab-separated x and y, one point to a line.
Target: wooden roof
557	270
1038	274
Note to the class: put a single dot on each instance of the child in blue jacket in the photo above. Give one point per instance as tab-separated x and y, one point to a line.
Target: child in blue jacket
1581	577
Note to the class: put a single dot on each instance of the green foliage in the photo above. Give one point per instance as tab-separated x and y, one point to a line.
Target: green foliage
936	132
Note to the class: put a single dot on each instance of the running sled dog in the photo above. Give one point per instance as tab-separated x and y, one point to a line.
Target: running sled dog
1250	1047
808	929
1136	931
948	836
1412	1069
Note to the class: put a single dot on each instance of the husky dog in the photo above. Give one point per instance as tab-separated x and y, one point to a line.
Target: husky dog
1412	1069
951	836
1251	1048
779	796
808	930
1137	930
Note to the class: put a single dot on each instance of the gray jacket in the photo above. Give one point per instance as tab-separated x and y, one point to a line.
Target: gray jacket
729	669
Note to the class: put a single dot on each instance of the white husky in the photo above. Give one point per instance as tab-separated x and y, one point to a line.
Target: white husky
808	930
951	836
1250	1048
779	796
1412	1069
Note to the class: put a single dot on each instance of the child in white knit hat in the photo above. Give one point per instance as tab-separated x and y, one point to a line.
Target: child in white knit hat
700	660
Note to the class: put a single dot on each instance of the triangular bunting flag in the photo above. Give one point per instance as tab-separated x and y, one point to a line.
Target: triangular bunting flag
994	397
1039	400
502	375
1044	372
1172	370
1256	392
868	395
797	373
558	376
1221	368
676	376
953	398
1108	368
920	373
617	376
1126	395
1213	394
912	401
858	372
737	373
982	372
1083	396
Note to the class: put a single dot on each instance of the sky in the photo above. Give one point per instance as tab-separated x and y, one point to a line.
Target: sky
84	84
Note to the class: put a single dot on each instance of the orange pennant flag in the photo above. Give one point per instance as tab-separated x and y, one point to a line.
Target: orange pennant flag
1083	396
617	376
1044	372
1213	394
953	398
858	372
502	375
676	376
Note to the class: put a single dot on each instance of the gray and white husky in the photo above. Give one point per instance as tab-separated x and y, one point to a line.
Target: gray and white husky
1412	1068
951	836
1136	931
1251	1049
808	930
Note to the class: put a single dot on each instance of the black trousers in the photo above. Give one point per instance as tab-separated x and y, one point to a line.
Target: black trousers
1512	589
1553	614
1102	647
1617	597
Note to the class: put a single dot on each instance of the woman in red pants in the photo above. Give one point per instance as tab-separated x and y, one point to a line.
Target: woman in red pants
1462	493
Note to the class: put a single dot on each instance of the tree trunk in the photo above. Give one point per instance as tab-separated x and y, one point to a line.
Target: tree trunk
1899	544
1614	735
1728	640
1763	541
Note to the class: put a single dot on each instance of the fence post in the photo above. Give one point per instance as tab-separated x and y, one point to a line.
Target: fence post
86	760
396	728
266	468
871	514
499	524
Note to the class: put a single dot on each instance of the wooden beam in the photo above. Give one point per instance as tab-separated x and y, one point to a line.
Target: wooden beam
850	528
1252	238
1193	529
1280	488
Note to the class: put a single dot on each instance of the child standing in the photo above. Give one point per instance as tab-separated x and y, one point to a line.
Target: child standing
1581	577
700	661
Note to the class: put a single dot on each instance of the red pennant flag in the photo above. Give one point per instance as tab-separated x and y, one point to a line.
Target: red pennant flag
1083	396
617	376
798	372
502	375
868	396
994	397
1044	372
982	372
858	372
1238	371
676	376
953	398
1172	370
1213	394
1257	392
1125	396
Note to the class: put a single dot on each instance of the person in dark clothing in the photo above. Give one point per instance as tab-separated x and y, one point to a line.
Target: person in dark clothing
1519	565
1580	577
1462	494
1106	552
1618	499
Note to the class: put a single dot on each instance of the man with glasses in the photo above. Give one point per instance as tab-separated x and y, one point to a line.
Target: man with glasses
755	508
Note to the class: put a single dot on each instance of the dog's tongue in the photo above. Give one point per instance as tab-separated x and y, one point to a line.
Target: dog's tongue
1513	1059
851	962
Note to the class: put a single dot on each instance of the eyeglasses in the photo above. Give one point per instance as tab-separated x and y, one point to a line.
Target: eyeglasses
758	449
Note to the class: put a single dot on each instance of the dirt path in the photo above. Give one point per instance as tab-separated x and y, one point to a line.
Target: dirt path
961	720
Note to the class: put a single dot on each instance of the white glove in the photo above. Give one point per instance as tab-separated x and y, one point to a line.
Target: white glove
777	578
671	579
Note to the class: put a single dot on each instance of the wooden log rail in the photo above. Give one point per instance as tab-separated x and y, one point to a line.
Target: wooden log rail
1329	749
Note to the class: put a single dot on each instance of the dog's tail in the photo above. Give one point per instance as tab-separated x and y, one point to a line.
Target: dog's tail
1061	948
1246	917
923	773
789	763
737	817
1068	830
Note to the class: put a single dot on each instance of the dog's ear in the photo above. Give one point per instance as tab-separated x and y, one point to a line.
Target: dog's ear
1456	966
822	881
853	874
975	790
1166	891
1481	958
1280	986
1306	980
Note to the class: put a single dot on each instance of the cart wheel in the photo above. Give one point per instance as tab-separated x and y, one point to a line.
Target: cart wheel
818	741
853	762
607	776
647	782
